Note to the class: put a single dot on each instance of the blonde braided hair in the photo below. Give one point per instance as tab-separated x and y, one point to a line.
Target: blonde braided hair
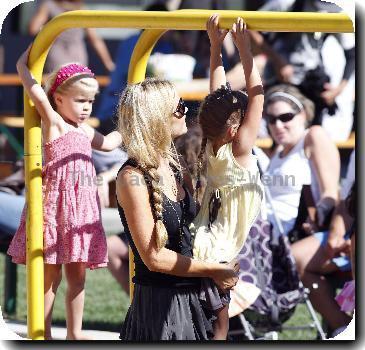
144	115
161	233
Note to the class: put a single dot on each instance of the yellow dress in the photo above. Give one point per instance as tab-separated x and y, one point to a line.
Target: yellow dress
241	193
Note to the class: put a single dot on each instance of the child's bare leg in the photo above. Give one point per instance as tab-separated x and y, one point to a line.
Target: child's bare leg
52	279
118	261
221	324
75	297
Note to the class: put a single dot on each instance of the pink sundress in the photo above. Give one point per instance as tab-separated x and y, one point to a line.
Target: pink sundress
72	227
346	298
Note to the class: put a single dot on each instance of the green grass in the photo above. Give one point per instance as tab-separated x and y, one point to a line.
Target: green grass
301	317
106	304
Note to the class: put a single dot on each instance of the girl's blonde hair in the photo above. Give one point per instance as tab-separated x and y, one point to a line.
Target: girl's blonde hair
83	82
144	121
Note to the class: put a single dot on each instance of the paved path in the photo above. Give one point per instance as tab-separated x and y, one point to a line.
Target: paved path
59	333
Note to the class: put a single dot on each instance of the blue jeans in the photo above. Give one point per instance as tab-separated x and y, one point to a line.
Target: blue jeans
342	262
11	207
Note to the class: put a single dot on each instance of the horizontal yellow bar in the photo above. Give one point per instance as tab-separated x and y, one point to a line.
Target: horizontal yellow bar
195	20
185	20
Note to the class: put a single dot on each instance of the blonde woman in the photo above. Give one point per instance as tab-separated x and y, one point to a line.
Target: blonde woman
156	206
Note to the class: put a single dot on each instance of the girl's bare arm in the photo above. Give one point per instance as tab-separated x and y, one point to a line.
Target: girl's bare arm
102	142
36	93
216	37
247	132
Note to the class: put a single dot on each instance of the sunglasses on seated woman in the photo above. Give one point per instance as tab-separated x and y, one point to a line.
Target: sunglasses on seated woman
284	118
181	109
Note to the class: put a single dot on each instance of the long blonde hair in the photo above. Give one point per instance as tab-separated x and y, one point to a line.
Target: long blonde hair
144	116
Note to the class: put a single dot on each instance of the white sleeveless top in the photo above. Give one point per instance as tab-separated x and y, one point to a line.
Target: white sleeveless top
285	177
241	194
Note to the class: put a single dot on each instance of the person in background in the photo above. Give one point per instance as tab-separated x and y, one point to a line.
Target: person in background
346	298
107	165
107	109
11	207
196	44
70	45
118	254
324	253
303	156
306	60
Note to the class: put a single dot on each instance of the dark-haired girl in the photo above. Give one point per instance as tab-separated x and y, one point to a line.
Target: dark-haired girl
230	121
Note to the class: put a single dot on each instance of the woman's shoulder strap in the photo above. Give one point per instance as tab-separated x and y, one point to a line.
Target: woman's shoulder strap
134	164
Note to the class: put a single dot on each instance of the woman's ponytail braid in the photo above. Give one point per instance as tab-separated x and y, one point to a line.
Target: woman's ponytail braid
161	233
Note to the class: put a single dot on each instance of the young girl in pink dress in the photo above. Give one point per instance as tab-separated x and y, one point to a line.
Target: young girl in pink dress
72	228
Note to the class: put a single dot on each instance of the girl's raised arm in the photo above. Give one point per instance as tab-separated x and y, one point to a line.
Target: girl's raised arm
36	92
247	132
216	37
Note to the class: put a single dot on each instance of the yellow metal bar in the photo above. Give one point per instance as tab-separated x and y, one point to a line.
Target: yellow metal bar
195	20
34	227
136	74
157	22
141	54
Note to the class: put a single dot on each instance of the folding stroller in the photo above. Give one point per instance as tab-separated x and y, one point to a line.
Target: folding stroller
266	262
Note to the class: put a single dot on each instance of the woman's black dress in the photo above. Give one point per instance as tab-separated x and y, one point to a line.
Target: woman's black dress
166	307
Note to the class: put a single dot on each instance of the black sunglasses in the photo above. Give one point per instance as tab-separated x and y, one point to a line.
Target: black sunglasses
181	109
284	118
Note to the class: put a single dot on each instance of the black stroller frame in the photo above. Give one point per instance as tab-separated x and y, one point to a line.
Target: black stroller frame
266	261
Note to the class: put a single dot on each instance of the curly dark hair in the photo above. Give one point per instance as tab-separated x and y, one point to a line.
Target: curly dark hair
188	146
220	110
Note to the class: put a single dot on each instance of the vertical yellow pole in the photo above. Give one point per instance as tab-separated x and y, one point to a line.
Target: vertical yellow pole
34	228
136	74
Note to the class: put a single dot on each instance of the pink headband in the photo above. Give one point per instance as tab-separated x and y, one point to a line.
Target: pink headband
67	72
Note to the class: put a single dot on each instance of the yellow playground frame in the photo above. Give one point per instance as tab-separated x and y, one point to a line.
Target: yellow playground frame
155	24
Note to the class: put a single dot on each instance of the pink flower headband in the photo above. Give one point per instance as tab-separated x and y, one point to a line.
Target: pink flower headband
67	72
